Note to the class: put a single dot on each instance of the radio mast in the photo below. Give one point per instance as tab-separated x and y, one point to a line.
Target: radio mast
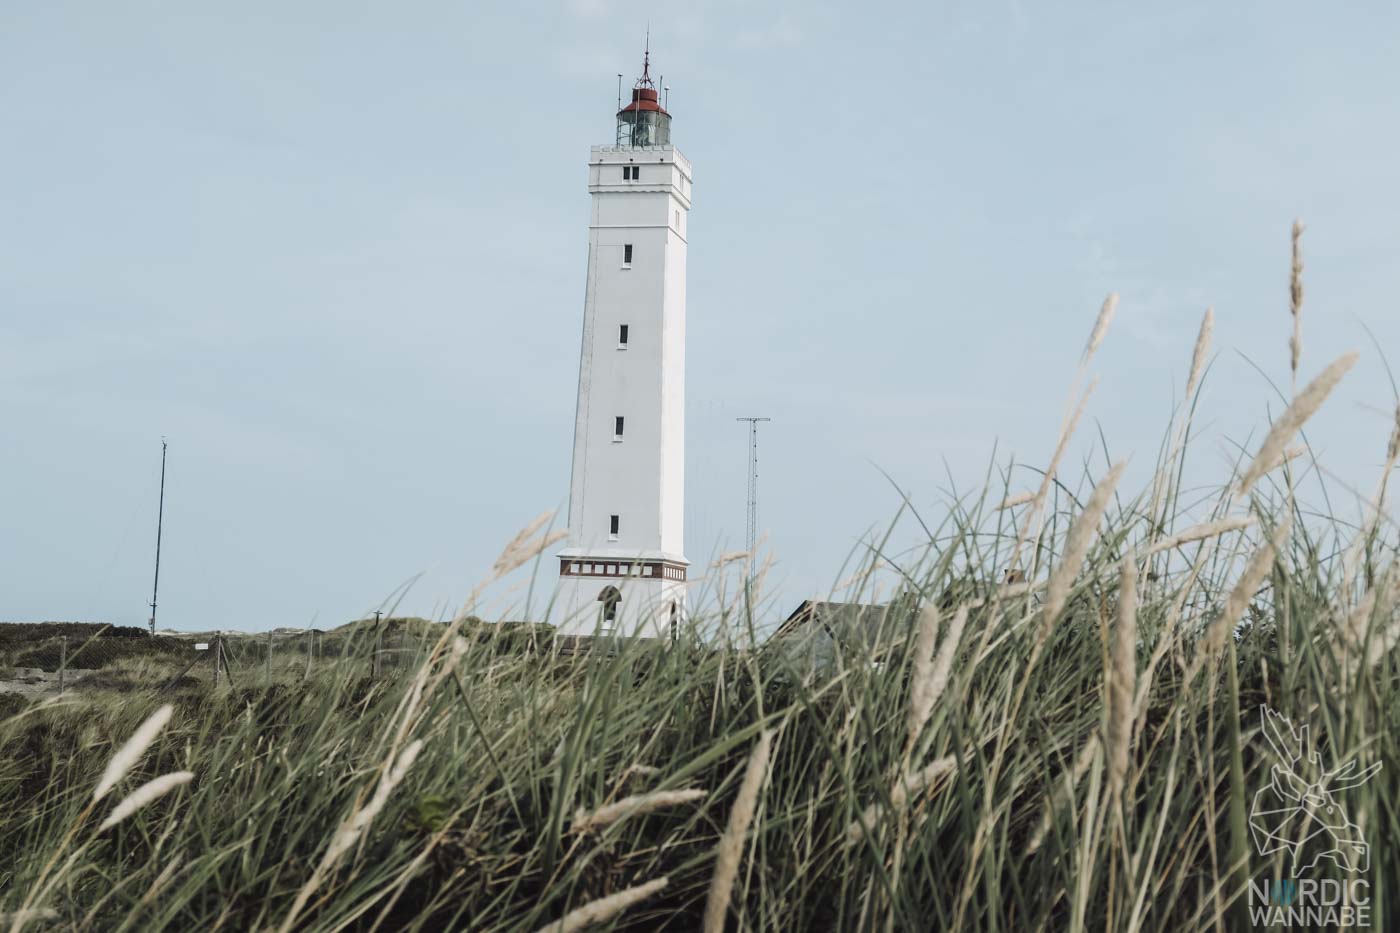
160	520
751	525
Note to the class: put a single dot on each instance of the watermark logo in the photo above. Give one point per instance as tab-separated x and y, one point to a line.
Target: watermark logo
1298	812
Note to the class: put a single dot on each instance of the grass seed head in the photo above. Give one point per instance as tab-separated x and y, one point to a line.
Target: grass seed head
1295	299
635	805
931	678
1105	318
1122	679
1245	588
130	753
1077	542
1201	532
146	793
1200	353
1303	407
605	908
731	844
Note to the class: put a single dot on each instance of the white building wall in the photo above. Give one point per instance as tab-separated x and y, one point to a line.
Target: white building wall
640	478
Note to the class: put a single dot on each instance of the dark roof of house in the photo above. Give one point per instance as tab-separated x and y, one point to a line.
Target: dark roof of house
819	633
810	610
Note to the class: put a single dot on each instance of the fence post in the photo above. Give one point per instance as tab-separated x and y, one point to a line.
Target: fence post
62	661
218	657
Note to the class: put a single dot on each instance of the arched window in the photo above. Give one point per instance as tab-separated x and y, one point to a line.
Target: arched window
609	597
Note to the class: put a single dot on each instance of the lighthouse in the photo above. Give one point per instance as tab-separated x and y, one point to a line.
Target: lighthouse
622	571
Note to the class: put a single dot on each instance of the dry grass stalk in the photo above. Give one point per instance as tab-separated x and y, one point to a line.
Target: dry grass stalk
1378	603
904	790
1200	533
1122	683
1106	313
1303	407
161	880
1031	525
510	560
931	674
731	844
1028	529
640	769
1005	592
1200	353
1295	300
519	543
1248	584
1365	536
605	908
146	793
131	752
351	828
1392	449
1065	792
1358	621
1010	502
635	805
1292	453
728	557
919	781
922	674
1384	642
1077	541
19	918
518	551
410	710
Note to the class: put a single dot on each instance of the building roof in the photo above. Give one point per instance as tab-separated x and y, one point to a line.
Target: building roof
817	632
830	614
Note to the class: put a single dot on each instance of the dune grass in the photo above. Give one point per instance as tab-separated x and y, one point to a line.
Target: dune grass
1072	745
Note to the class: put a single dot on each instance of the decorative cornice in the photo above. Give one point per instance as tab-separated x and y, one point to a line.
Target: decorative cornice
622	569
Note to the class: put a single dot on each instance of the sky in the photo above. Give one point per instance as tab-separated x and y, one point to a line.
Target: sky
335	253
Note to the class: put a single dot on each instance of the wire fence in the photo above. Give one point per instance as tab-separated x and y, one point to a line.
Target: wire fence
90	656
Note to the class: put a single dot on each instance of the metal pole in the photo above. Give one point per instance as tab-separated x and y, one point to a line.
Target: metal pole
160	520
378	644
218	654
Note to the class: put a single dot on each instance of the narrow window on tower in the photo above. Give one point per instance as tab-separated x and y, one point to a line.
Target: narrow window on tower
626	255
617	429
613	524
622	336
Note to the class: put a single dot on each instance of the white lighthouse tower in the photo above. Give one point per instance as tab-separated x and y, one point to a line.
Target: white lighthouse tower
622	572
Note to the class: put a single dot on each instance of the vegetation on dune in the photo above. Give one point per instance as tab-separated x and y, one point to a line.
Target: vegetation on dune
1057	727
86	645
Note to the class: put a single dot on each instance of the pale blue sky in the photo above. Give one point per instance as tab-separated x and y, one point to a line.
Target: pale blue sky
335	251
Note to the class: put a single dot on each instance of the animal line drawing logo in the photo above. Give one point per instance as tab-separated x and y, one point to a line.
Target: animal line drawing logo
1301	815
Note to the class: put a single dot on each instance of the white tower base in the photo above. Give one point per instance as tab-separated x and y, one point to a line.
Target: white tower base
649	590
